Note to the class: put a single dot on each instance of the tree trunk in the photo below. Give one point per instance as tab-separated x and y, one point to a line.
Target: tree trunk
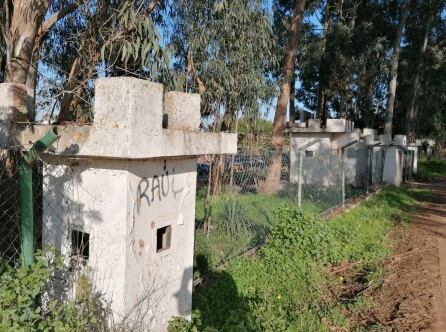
368	109
287	73
292	102
26	19
321	111
411	113
394	68
23	19
272	180
31	85
65	111
348	95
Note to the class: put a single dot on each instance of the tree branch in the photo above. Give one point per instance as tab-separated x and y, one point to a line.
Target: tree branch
48	24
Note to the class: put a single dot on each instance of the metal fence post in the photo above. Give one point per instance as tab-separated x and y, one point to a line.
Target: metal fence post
26	193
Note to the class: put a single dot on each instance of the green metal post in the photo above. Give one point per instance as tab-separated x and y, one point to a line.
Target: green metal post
26	193
26	206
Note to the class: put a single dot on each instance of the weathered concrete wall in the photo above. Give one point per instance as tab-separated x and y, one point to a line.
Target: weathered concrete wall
161	195
414	149
323	168
316	168
393	166
121	204
377	157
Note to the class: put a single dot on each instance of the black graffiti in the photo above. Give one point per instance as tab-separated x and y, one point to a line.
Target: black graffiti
156	188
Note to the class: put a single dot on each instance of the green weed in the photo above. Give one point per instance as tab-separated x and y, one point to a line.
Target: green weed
284	287
428	169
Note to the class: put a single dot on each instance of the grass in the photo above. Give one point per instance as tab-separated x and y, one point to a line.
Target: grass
285	286
428	169
218	247
258	206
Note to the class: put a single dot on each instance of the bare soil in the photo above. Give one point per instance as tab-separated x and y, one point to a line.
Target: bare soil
412	296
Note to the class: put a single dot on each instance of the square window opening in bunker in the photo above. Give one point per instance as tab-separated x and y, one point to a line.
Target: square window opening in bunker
309	153
80	244
163	238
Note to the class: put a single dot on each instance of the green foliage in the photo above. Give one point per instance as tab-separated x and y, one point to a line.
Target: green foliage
284	287
222	59
306	234
132	41
256	126
428	169
233	220
24	308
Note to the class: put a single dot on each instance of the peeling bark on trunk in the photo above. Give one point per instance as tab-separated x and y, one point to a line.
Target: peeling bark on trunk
287	73
394	68
26	18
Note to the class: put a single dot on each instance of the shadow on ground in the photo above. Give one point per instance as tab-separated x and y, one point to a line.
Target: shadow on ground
218	302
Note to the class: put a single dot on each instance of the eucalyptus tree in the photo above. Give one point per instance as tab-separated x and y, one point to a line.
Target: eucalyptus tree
428	11
288	72
394	67
223	50
343	63
68	37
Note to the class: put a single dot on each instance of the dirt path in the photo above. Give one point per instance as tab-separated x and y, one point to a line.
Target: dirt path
431	219
413	293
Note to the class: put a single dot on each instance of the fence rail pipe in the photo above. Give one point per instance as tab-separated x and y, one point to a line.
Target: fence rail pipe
299	179
26	192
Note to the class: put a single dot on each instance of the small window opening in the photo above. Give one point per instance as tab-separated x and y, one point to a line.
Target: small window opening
80	244
163	238
165	120
309	153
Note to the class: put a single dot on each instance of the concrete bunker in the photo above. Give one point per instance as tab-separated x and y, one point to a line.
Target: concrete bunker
119	195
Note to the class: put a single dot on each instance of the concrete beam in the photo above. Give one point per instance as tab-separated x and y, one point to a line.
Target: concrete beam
127	124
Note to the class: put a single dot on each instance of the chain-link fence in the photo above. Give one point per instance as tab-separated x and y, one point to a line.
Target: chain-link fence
9	207
237	194
47	215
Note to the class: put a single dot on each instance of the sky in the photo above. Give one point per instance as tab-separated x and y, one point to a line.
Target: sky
47	73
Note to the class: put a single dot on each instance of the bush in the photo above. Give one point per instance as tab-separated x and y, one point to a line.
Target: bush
22	307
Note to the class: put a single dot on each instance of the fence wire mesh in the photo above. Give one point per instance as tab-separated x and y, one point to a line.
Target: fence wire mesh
9	208
235	203
237	195
48	211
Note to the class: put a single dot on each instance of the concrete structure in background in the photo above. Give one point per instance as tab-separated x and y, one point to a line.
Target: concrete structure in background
322	161
126	188
395	159
370	160
415	151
